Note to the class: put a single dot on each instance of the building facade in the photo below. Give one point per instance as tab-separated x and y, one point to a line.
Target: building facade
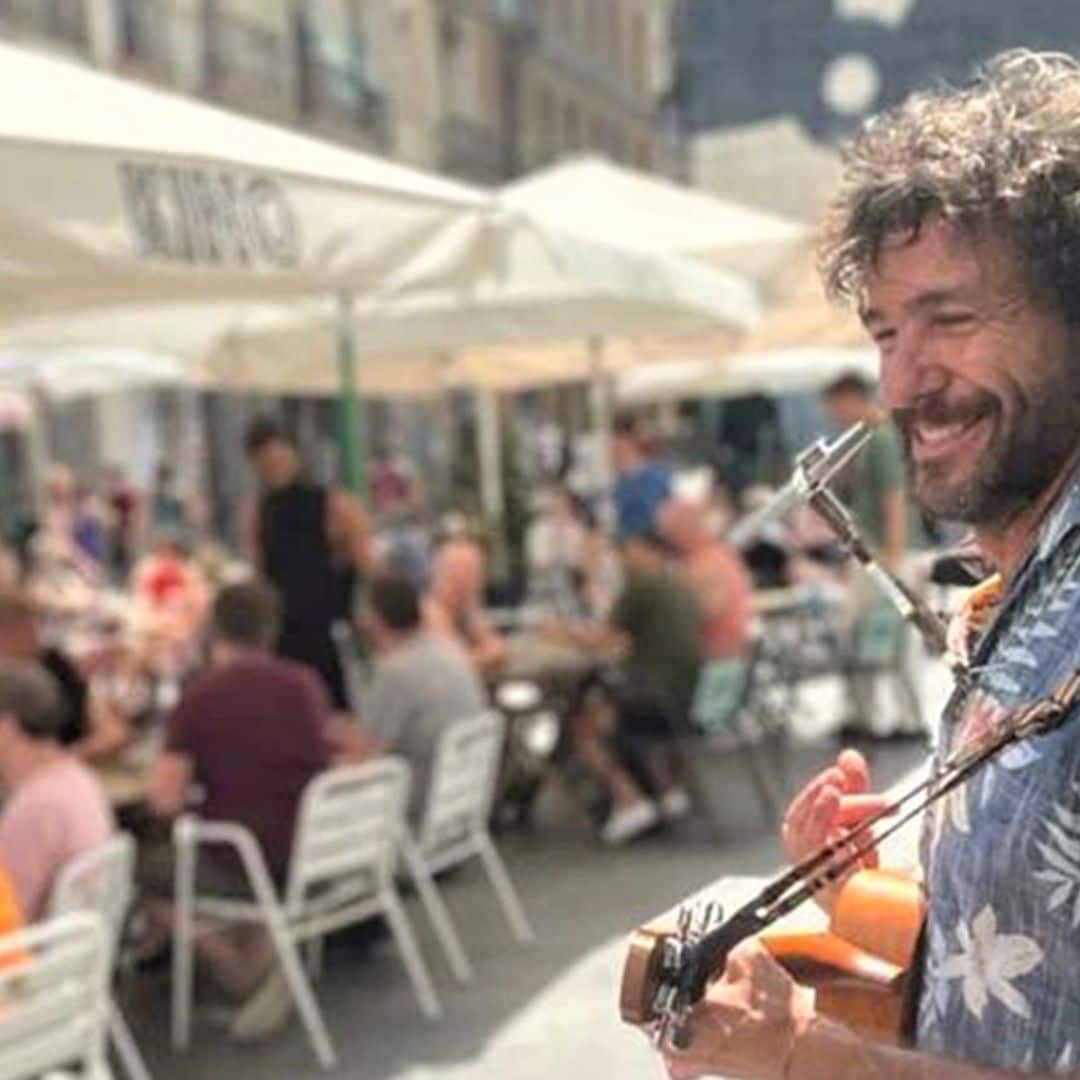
482	89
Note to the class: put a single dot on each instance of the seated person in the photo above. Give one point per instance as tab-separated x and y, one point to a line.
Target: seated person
250	732
55	808
90	726
554	548
454	606
715	575
655	626
172	597
421	682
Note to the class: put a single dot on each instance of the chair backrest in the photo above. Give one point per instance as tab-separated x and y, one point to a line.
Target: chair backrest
722	689
463	779
348	826
101	881
54	997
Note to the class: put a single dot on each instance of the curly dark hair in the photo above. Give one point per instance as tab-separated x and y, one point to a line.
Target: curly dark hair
1000	157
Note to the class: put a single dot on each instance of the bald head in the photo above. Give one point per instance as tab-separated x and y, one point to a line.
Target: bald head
682	524
458	574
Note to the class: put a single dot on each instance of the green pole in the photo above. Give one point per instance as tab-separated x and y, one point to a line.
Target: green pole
350	415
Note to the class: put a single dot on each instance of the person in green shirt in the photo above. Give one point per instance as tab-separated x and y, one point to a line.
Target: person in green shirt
654	631
874	488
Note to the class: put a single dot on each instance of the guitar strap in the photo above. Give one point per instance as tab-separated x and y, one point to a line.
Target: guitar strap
913	986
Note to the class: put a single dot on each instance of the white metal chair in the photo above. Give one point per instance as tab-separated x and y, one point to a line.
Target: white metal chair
454	829
102	881
340	873
54	998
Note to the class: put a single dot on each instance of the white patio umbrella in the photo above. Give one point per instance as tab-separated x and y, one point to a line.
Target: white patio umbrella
114	194
493	279
64	374
499	279
598	199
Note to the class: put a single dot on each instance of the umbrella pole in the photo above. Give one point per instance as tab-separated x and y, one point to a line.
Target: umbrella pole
350	415
600	396
490	454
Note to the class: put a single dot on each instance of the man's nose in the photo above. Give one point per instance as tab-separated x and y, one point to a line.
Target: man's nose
908	370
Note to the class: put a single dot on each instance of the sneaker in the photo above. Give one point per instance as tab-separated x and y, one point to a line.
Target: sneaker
265	1012
624	825
674	804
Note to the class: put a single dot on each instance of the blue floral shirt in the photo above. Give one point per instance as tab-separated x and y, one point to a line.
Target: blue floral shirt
1001	853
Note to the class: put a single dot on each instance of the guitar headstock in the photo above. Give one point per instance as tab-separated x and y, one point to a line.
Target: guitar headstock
654	993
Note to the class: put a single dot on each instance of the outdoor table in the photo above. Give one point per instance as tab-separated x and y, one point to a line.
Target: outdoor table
125	777
532	656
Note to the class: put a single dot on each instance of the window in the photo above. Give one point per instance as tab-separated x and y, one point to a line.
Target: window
597	135
565	18
593	36
572	133
639	52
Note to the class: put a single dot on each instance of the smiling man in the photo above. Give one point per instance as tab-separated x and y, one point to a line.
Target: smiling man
956	234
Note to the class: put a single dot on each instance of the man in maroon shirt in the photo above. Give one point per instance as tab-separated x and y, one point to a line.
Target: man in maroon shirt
251	732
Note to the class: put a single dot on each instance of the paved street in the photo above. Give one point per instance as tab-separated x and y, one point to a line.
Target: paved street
542	1011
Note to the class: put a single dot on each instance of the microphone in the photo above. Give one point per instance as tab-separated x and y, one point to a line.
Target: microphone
814	468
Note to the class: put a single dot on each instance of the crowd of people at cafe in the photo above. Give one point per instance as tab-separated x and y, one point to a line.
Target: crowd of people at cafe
246	684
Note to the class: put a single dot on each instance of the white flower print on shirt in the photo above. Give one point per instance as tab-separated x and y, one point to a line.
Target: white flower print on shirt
1061	853
989	962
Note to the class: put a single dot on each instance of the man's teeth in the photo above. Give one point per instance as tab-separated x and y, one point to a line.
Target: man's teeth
933	434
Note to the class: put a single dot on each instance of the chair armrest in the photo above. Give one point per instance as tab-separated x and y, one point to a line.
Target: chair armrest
190	833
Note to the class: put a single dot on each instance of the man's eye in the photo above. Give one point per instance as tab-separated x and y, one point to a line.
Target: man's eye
952	318
883	336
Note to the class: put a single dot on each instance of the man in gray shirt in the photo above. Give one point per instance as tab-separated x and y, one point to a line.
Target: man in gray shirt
421	684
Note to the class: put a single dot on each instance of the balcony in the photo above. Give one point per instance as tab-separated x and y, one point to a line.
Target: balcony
62	22
157	41
336	91
249	65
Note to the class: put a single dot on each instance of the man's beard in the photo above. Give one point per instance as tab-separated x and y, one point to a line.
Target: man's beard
1029	446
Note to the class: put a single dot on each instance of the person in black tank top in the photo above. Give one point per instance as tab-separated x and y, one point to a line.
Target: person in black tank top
311	543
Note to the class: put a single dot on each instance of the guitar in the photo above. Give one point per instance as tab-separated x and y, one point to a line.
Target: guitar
860	967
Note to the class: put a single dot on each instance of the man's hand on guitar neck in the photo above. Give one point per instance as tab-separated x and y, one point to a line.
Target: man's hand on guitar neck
756	1023
747	1023
837	799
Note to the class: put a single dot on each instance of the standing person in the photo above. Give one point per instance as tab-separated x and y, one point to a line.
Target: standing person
55	809
169	513
873	487
554	548
873	484
642	481
124	524
716	576
956	234
312	545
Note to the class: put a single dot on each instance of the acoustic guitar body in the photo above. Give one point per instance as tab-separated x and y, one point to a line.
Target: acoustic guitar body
860	966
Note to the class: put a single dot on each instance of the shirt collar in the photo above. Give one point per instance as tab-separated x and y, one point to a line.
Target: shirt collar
1063	518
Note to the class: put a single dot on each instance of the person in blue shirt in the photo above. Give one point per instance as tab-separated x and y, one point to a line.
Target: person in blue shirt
642	480
956	235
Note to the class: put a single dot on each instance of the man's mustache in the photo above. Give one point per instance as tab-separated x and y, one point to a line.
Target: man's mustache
938	410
